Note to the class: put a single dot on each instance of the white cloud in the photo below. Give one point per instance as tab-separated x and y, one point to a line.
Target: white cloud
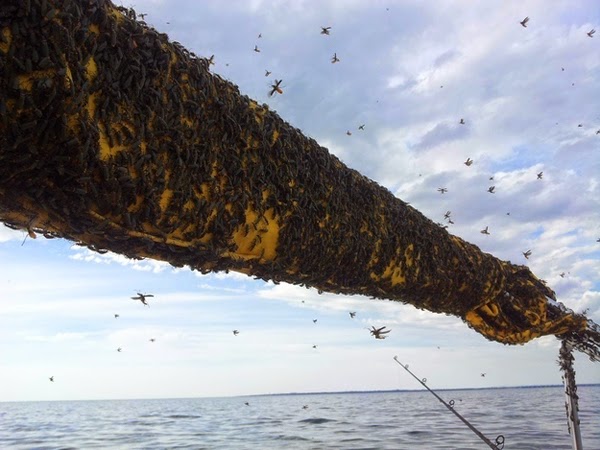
8	234
145	265
58	337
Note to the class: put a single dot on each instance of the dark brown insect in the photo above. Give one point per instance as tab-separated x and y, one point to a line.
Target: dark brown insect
379	332
30	233
275	88
142	298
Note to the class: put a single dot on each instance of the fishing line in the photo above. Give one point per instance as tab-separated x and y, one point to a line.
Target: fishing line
499	445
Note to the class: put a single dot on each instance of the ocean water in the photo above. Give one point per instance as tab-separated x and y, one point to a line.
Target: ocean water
528	418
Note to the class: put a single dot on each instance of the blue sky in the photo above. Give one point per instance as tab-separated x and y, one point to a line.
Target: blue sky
409	71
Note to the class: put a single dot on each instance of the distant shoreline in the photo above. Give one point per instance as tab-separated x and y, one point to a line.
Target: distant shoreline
290	394
391	391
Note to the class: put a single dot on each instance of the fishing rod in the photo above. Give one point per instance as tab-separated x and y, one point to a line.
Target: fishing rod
499	445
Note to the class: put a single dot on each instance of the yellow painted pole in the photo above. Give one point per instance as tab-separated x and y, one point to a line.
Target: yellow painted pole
112	136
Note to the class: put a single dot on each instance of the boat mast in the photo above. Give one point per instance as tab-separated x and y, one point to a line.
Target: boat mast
571	404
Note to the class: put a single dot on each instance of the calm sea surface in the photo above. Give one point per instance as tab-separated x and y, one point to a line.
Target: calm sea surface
531	418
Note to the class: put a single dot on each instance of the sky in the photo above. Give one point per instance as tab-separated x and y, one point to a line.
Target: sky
409	71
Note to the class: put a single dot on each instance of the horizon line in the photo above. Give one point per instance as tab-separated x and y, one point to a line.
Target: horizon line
276	394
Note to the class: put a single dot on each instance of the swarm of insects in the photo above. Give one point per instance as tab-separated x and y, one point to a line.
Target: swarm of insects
170	161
